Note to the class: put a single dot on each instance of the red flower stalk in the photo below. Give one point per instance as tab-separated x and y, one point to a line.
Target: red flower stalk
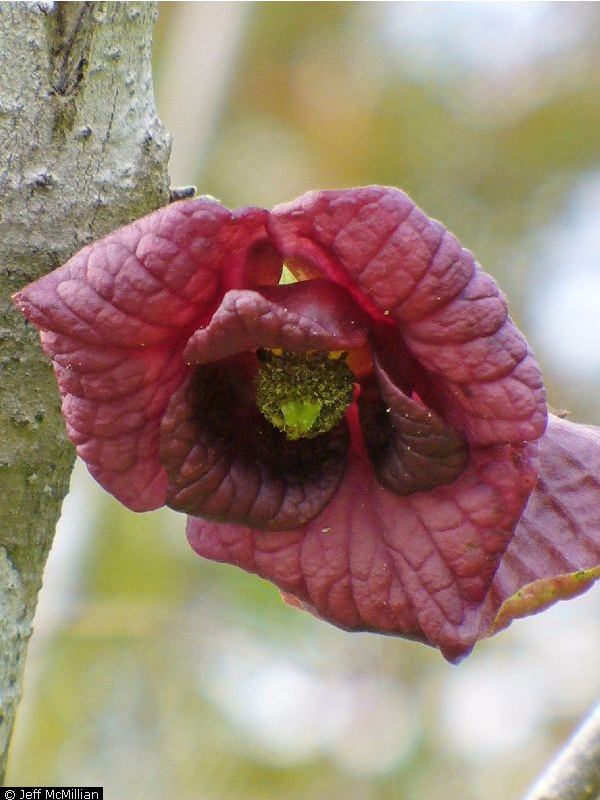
372	438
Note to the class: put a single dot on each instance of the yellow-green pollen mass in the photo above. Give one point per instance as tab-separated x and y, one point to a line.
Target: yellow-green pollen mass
303	394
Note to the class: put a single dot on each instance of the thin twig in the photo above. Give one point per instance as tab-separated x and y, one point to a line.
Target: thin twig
575	772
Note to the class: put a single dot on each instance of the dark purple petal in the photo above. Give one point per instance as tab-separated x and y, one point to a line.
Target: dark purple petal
555	552
226	462
114	321
311	315
399	263
412	448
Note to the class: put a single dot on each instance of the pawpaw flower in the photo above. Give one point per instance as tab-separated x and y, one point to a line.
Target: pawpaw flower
370	434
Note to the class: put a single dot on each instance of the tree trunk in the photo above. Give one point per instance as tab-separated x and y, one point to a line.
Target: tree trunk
81	152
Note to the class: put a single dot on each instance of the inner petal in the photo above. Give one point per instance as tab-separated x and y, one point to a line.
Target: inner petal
412	448
226	462
309	315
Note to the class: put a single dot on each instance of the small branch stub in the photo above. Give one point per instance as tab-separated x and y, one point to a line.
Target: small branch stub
181	193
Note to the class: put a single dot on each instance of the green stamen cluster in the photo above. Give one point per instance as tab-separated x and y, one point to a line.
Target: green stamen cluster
303	394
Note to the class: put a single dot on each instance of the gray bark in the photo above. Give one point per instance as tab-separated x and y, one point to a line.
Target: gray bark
81	152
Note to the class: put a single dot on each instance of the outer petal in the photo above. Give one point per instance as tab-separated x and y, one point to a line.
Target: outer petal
555	552
452	316
114	320
417	566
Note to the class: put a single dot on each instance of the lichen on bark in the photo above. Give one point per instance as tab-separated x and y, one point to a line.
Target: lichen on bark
82	151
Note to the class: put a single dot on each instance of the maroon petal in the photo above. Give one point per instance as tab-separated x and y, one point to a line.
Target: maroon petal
412	448
115	319
112	403
419	565
555	552
399	263
226	462
416	566
310	315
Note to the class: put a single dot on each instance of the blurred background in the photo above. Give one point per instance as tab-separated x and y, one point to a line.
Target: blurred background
159	675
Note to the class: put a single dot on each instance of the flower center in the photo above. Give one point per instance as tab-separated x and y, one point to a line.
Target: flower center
303	394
